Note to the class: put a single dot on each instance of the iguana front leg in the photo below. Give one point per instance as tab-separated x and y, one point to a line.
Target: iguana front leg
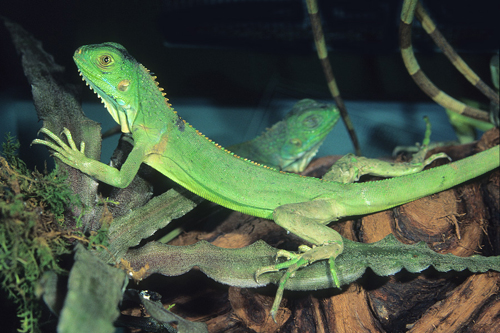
74	157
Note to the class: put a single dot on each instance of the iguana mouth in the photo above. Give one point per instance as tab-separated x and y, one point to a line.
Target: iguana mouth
300	161
109	103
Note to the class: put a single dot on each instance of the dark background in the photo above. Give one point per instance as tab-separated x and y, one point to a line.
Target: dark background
228	51
235	53
233	68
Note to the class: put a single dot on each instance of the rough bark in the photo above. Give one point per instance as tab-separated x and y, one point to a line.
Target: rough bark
463	220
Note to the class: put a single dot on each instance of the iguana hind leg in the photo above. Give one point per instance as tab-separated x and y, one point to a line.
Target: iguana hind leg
307	220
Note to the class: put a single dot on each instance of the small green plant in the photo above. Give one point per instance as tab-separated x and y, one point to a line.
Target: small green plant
32	233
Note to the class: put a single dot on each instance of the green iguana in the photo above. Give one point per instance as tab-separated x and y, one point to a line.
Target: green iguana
290	144
301	205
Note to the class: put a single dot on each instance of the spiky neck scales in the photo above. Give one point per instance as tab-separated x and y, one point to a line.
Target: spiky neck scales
174	148
132	95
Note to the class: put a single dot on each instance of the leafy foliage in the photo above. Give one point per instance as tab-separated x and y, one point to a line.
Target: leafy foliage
32	238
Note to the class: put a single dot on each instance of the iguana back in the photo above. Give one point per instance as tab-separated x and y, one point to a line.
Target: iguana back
172	146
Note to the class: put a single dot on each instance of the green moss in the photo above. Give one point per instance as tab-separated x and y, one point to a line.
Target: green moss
32	233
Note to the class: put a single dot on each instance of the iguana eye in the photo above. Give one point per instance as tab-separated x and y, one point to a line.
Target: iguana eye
105	60
296	142
311	121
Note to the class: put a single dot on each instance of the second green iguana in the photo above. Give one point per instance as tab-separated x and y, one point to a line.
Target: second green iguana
290	144
301	205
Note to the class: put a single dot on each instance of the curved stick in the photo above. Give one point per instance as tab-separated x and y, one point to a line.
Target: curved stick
453	56
319	40
419	76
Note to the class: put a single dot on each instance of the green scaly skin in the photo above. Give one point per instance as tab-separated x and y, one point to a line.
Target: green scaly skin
301	205
290	144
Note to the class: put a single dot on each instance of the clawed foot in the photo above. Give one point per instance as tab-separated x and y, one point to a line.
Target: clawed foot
420	150
295	261
350	168
68	154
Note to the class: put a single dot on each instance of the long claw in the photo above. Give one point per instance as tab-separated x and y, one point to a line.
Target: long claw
69	137
68	153
264	270
279	293
292	259
51	135
50	145
305	257
333	272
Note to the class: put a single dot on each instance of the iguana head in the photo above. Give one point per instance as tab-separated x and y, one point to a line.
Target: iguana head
113	74
308	124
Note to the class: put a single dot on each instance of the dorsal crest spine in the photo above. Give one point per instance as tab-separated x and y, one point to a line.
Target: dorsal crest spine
154	77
